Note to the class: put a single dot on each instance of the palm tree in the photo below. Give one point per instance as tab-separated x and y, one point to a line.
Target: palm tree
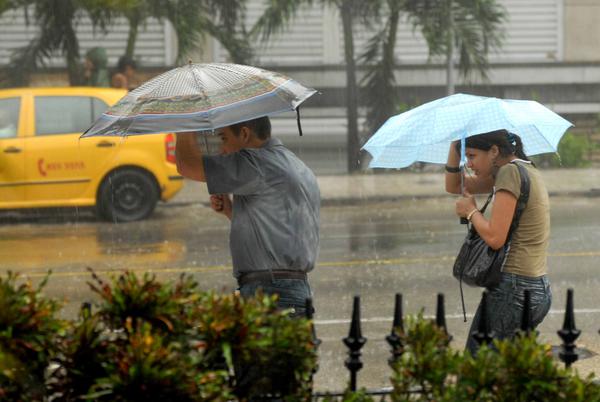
56	33
380	94
192	20
473	27
281	12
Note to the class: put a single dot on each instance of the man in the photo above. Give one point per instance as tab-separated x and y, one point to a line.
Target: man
274	212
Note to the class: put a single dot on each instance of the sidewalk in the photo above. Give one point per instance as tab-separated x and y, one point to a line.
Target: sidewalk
362	187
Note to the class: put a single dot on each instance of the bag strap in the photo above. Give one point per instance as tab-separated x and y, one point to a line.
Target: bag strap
522	201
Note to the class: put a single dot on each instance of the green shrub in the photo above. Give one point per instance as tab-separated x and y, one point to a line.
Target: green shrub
351	396
519	369
269	352
427	362
166	306
28	339
151	341
572	152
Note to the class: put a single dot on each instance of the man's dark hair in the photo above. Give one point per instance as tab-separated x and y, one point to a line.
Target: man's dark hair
125	61
261	127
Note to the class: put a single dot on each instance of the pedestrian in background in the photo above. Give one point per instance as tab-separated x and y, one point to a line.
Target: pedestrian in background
95	70
492	157
124	77
274	212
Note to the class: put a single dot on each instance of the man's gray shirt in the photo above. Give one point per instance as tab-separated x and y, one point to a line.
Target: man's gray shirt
276	202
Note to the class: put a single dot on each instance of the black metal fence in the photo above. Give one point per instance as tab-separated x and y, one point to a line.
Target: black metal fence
355	340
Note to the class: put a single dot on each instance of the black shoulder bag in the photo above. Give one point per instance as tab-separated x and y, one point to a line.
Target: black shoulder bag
477	264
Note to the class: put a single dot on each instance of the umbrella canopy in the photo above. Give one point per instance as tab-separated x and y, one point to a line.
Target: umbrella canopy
198	97
424	133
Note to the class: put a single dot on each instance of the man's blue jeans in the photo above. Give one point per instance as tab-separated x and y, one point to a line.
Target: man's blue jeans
505	306
292	293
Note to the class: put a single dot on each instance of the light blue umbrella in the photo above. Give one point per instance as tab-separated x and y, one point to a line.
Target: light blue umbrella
424	133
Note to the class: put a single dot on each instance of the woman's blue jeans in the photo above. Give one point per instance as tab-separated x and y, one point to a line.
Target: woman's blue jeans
505	306
292	293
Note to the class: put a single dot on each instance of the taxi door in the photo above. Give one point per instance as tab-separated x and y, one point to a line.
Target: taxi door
12	152
60	166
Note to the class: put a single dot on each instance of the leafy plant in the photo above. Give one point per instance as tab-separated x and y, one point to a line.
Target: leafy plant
573	151
351	396
519	369
268	352
80	361
165	306
147	367
427	362
28	331
152	341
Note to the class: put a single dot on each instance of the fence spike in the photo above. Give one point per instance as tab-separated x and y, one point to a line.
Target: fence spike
86	310
440	315
569	333
354	341
393	339
309	312
526	325
483	335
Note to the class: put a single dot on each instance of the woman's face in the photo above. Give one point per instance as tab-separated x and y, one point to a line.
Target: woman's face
479	161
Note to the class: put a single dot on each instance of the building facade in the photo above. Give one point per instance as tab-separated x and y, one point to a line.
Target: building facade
551	53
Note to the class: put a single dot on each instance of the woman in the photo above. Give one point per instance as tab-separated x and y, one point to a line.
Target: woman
95	71
492	157
125	75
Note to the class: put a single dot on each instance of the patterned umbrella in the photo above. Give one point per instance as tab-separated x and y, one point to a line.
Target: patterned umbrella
424	133
200	97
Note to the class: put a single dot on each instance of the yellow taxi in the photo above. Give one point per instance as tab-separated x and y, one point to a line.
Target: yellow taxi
44	163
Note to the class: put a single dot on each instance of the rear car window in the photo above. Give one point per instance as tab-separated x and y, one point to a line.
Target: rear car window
66	114
9	117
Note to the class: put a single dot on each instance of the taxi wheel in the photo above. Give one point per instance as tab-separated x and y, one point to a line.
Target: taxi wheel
127	195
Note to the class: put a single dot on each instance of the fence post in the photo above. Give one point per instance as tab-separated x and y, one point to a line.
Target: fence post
86	310
354	341
440	315
483	335
526	317
309	313
393	339
569	333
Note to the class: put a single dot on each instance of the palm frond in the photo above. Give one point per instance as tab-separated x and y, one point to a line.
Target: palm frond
380	94
276	17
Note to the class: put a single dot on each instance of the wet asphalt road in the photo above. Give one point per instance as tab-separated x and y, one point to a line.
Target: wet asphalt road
369	249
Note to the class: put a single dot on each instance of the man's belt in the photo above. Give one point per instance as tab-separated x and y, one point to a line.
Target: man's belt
254	276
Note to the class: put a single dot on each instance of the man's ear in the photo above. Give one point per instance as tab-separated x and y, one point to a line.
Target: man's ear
245	134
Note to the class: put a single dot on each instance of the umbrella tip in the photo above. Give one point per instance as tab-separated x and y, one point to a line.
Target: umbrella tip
190	62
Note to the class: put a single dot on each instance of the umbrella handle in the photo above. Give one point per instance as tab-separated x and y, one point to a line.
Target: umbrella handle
463	221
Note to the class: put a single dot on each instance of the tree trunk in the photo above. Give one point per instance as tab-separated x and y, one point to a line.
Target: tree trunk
351	88
134	22
450	52
72	57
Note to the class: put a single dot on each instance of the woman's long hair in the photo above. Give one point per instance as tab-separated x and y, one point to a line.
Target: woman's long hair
508	143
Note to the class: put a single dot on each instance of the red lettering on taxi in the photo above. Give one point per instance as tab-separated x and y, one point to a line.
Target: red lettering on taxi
74	165
40	165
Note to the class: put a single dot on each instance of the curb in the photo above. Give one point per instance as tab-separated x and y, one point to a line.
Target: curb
346	201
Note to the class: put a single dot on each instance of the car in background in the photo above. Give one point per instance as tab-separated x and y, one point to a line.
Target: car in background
45	163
